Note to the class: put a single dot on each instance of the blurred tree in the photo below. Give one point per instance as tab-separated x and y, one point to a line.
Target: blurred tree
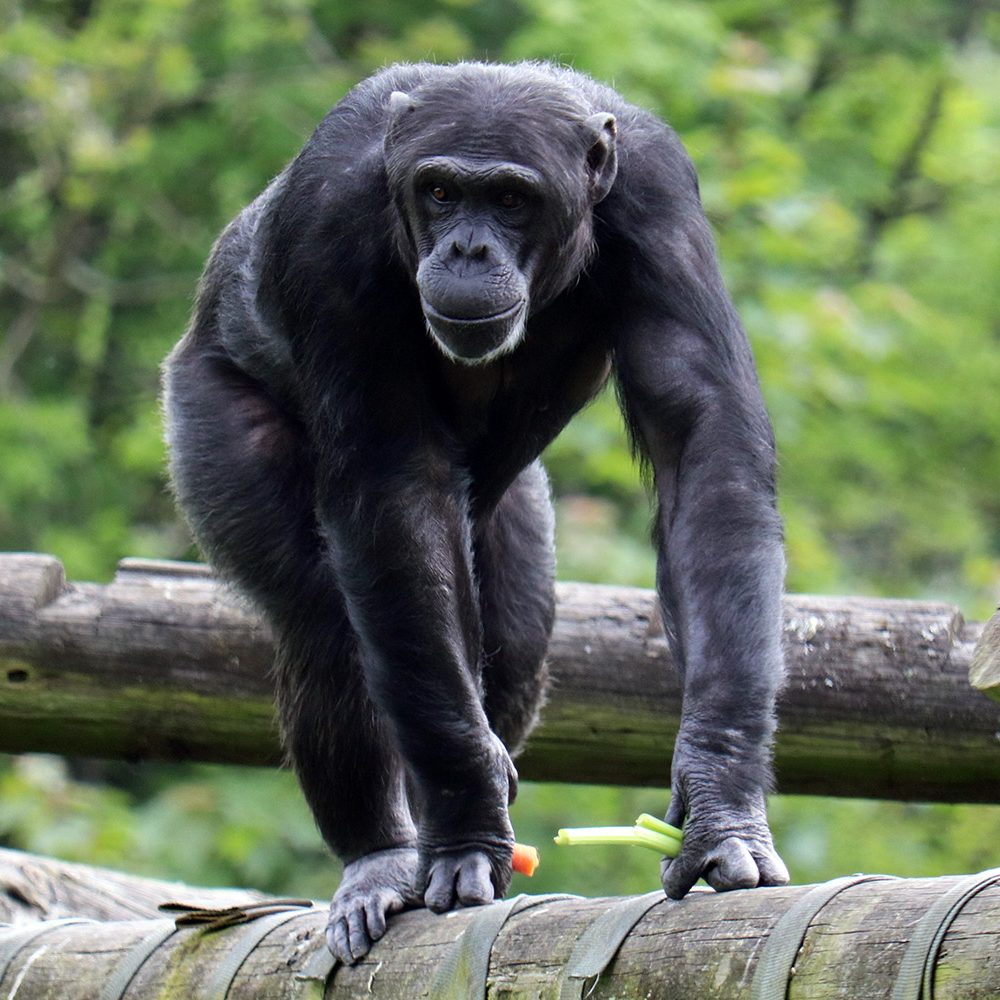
849	160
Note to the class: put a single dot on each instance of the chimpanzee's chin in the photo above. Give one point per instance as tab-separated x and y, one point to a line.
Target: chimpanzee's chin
477	341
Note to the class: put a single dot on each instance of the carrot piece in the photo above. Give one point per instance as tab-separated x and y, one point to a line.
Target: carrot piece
525	859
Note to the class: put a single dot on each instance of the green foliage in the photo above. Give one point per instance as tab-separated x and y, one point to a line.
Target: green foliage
821	839
247	826
850	167
849	161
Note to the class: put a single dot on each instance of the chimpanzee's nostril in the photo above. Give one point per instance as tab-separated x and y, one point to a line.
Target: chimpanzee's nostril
468	251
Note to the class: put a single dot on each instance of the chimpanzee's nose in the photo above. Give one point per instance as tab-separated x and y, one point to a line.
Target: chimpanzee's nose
469	248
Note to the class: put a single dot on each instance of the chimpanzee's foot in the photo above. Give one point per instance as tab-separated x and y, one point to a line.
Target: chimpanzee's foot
466	840
372	887
467	877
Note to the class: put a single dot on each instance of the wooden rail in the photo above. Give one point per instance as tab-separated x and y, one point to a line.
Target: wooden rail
708	945
164	662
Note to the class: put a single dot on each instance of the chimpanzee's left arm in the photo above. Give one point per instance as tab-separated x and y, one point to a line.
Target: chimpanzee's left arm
694	408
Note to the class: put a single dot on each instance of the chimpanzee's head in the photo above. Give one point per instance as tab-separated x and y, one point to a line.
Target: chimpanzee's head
494	177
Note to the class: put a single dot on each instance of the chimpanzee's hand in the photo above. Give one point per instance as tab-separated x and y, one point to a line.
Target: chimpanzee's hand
726	837
466	840
372	887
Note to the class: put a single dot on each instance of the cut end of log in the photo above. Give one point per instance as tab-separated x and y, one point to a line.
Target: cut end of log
30	581
984	668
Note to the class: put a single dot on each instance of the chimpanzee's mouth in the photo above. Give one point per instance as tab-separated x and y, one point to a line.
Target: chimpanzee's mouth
478	339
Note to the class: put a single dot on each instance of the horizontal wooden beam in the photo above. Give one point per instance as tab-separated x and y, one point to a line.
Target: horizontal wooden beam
707	945
165	662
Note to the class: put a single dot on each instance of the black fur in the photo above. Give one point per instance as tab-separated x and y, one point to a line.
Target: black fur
383	344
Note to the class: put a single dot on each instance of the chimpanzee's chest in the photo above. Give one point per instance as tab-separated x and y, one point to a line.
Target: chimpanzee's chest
505	414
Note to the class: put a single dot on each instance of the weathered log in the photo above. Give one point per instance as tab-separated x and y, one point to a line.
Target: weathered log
984	671
706	946
34	888
165	662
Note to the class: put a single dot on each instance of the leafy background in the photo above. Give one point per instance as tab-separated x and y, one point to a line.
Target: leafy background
849	152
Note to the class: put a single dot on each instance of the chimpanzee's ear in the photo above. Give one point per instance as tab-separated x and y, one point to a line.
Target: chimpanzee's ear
602	163
400	105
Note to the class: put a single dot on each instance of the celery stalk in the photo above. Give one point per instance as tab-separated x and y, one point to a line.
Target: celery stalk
595	835
632	836
659	826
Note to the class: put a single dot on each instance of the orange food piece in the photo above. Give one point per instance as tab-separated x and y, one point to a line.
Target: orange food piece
525	859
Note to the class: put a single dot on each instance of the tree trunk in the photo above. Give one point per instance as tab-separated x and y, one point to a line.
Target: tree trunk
706	946
166	663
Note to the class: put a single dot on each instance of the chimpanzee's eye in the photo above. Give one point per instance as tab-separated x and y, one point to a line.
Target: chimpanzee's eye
511	199
440	193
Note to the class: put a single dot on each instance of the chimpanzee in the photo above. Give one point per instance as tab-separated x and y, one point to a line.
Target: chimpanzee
383	344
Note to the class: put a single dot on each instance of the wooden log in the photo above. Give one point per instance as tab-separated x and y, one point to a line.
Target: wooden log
165	662
984	670
706	946
34	888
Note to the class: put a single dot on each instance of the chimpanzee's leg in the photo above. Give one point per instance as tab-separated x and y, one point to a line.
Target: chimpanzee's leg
515	567
241	476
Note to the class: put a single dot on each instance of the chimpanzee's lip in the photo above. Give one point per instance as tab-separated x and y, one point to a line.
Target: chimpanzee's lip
433	314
